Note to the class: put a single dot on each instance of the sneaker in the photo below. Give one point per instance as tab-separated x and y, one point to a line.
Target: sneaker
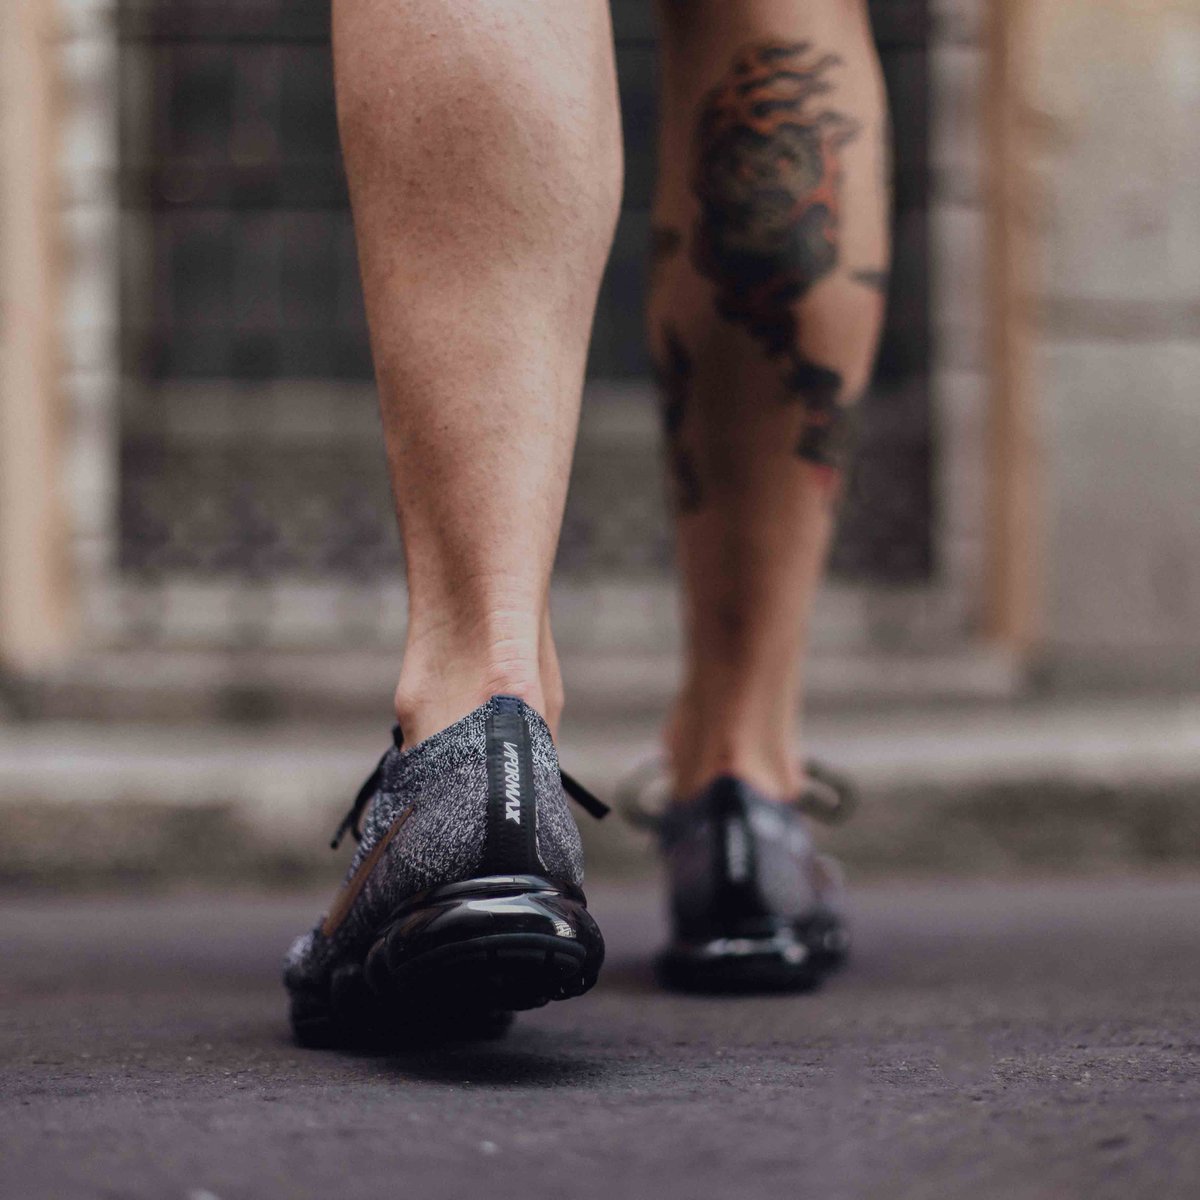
463	902
753	906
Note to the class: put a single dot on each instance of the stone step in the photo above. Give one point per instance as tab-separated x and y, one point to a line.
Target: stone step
206	685
977	788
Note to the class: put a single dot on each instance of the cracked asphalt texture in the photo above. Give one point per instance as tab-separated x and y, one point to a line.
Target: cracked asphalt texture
1019	1040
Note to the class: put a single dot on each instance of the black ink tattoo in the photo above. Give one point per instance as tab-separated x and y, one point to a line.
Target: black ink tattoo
830	442
674	374
872	278
819	385
768	177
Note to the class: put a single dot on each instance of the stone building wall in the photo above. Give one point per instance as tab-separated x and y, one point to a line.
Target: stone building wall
1112	99
615	550
1109	96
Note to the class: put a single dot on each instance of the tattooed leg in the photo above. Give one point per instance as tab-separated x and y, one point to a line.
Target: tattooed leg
765	307
483	154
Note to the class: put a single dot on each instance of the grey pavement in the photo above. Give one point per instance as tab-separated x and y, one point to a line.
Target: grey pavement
1018	1040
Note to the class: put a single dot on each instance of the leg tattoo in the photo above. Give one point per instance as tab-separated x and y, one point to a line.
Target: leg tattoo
768	178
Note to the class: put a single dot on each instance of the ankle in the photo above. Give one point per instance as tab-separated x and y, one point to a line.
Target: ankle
776	776
759	749
427	705
446	676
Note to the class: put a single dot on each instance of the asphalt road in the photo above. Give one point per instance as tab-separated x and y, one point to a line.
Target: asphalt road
1012	1041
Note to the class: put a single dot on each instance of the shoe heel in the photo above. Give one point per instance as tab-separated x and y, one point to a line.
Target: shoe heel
495	943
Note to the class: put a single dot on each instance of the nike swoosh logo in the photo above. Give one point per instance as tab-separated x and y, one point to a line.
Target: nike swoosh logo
343	902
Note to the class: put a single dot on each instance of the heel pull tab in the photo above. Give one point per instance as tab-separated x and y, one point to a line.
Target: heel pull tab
511	844
735	865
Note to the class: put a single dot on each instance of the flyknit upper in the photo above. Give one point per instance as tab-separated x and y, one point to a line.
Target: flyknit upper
732	852
444	782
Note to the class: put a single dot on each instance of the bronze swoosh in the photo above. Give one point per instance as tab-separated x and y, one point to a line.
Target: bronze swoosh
343	902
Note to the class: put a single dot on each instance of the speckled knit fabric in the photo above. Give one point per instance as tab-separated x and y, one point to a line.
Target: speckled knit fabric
444	781
730	832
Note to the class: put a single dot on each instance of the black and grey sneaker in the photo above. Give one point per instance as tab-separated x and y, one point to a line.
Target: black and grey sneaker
463	901
753	906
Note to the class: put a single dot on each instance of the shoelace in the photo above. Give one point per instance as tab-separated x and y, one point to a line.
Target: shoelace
827	796
351	822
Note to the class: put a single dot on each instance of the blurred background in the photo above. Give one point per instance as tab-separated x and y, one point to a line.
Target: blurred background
201	603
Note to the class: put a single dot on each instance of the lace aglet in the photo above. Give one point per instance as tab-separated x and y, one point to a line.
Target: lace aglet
340	834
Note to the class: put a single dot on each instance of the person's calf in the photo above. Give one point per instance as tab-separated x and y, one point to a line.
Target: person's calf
766	301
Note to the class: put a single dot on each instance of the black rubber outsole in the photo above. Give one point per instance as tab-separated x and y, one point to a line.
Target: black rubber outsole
794	959
455	963
511	972
353	1018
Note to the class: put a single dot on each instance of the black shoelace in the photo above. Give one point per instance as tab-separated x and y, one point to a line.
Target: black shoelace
352	822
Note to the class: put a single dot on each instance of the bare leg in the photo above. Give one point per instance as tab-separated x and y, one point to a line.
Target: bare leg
482	144
771	251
